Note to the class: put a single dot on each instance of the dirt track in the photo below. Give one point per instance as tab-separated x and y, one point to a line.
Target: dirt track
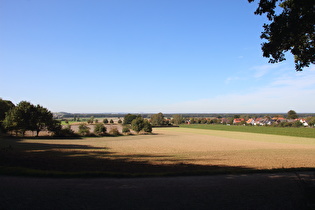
257	191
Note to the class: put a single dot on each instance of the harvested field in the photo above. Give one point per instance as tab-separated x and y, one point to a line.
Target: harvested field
168	150
192	146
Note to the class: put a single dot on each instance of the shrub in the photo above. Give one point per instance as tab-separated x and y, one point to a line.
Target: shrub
64	132
111	121
99	129
126	129
297	124
105	121
84	130
114	131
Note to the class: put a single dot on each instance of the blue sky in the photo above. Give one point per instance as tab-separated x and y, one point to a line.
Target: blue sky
170	56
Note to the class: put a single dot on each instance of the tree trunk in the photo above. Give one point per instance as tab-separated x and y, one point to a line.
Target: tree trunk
37	133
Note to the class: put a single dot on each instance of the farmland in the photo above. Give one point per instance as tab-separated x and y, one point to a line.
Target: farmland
168	151
286	131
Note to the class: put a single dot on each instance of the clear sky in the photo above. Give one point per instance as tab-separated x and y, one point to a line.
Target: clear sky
170	56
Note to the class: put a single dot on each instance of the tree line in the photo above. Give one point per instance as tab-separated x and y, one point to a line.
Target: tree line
17	119
26	117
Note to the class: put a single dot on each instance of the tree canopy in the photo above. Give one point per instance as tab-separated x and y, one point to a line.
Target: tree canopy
178	119
292	29
157	119
129	118
99	129
292	114
140	124
147	127
5	107
137	124
26	116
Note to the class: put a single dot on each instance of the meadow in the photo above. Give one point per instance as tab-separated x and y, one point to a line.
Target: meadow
169	151
286	131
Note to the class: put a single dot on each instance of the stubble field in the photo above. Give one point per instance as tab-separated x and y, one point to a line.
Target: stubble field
168	150
203	147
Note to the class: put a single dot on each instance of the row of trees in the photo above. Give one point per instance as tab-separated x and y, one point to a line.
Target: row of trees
160	120
26	117
91	120
287	120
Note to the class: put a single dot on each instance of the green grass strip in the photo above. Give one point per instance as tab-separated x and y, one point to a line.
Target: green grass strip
288	131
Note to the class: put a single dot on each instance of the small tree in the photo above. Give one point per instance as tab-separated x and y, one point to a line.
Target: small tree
158	119
137	124
99	129
126	129
57	129
114	131
292	114
105	121
311	122
177	119
91	120
84	130
111	121
147	127
119	121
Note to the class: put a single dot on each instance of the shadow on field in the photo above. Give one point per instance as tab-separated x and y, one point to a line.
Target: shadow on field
87	160
41	159
73	160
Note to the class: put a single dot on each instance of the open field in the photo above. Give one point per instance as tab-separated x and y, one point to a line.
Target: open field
168	151
286	131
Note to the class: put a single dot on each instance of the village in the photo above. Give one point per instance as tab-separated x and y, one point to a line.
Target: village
260	121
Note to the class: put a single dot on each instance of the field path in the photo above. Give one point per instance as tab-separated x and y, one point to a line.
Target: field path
256	191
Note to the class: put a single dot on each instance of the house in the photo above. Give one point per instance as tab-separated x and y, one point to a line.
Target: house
238	120
258	121
225	121
263	121
250	121
303	121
